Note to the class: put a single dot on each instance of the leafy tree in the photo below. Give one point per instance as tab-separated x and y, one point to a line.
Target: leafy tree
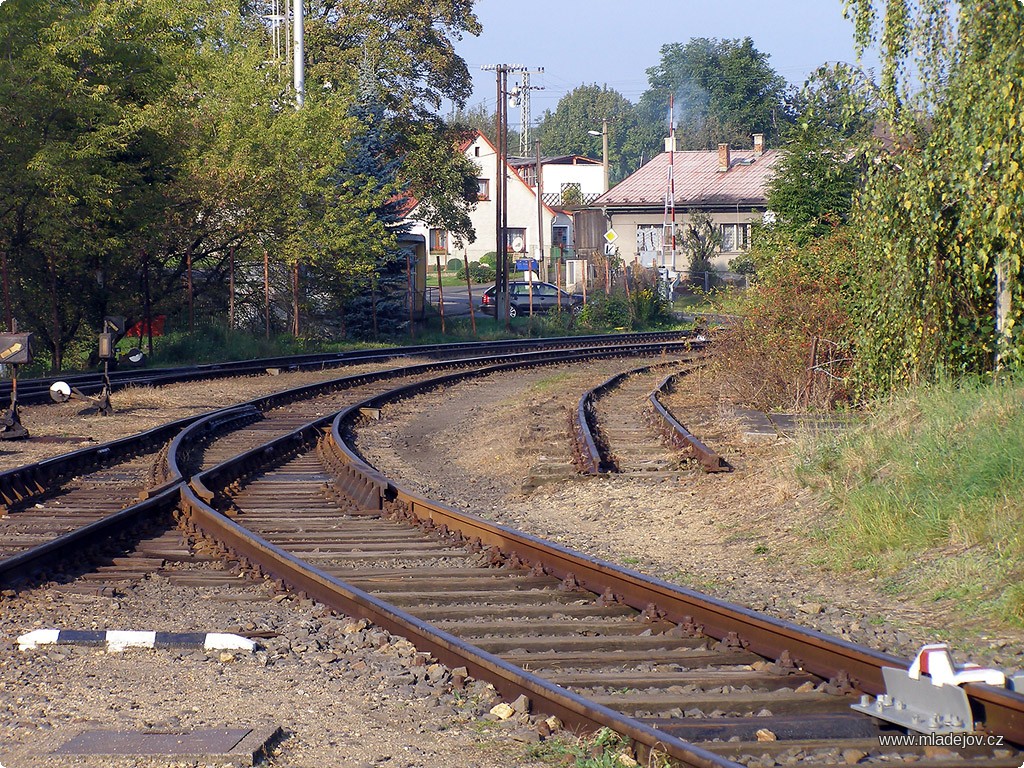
700	241
82	161
138	139
814	183
408	48
724	90
566	131
442	179
940	219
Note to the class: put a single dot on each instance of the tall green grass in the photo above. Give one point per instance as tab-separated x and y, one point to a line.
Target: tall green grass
215	343
929	494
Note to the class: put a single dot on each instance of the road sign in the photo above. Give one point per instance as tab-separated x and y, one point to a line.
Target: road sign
526	265
610	236
610	250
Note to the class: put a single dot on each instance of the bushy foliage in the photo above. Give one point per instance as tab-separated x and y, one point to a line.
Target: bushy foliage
490	259
454	265
606	311
803	293
478	273
649	307
939	225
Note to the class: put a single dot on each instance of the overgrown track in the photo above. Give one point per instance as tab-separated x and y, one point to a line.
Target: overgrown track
621	426
703	681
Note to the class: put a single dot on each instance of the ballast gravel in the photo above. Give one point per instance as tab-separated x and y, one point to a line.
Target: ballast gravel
351	696
745	536
344	693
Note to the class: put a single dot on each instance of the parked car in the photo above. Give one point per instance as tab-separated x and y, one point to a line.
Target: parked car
545	299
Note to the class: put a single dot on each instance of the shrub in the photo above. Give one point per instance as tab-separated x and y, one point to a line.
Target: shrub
454	265
798	309
648	307
490	259
478	273
606	311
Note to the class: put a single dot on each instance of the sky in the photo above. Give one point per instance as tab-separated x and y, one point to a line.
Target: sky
613	42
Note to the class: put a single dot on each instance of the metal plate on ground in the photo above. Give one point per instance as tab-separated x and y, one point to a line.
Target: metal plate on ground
234	746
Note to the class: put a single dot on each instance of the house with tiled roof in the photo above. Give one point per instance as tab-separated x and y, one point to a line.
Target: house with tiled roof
647	207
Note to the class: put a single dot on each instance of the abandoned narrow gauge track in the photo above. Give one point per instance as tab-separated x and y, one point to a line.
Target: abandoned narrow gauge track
622	426
63	503
699	680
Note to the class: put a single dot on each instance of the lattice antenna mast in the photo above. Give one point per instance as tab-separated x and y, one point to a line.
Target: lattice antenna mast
522	95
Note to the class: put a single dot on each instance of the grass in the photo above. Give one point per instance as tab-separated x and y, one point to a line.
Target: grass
929	495
604	749
448	279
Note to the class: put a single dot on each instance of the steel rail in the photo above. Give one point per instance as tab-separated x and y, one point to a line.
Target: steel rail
22	566
200	516
34	391
19	484
1000	711
679	435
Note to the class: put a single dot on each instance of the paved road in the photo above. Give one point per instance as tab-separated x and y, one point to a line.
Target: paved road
456	299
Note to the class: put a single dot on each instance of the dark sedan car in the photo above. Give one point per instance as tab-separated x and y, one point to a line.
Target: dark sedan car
545	299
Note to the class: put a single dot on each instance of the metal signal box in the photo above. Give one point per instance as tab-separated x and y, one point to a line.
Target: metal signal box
15	348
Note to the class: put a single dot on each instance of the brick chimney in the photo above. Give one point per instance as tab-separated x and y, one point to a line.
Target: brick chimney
758	144
671	144
723	157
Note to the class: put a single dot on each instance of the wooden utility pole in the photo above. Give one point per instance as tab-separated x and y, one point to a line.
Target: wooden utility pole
231	289
191	308
412	298
540	218
440	291
266	290
9	316
469	291
295	300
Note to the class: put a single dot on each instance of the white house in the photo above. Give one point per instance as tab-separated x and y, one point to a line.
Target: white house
566	183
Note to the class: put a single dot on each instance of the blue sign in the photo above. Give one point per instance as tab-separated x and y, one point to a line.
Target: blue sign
526	265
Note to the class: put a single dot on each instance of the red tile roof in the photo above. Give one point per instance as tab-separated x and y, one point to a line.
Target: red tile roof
698	182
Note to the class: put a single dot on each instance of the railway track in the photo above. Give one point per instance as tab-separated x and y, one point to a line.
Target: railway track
700	681
83	495
704	682
622	426
35	391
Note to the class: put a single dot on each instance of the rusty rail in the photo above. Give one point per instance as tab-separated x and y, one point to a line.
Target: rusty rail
679	435
772	638
1001	711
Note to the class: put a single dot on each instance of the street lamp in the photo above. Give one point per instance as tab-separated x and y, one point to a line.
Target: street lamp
603	133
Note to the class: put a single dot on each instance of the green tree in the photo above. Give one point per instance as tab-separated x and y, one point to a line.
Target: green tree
824	153
725	90
567	130
940	219
700	241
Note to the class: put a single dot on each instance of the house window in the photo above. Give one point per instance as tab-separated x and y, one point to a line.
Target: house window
735	237
483	189
438	241
515	240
